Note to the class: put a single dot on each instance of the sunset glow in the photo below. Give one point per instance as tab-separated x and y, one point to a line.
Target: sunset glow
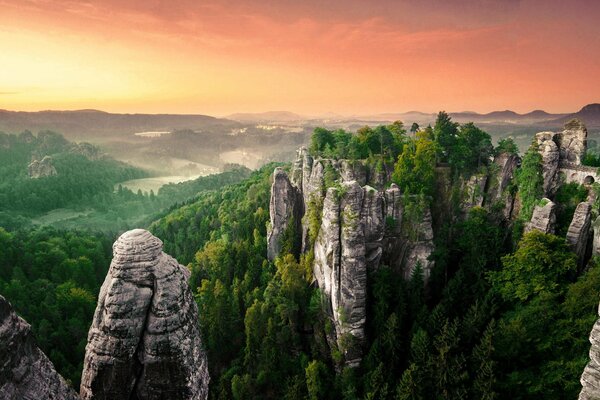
219	57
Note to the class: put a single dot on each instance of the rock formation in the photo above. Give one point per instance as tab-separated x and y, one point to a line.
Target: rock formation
41	169
144	342
590	378
340	266
562	153
25	372
573	141
579	231
498	190
361	228
473	192
550	159
543	218
596	239
285	209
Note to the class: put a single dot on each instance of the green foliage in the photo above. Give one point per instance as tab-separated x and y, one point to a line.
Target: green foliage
541	265
506	145
568	196
52	279
530	181
414	172
591	159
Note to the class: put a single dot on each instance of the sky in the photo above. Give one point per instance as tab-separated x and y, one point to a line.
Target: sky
312	56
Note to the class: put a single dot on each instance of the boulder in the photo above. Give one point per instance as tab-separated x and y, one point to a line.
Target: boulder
144	342
543	218
25	371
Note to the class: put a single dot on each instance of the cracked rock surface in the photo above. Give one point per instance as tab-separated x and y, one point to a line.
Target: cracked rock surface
25	372
144	342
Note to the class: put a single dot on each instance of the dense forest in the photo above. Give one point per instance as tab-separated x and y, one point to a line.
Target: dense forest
503	315
84	186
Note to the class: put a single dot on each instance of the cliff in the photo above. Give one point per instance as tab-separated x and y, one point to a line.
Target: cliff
25	371
144	341
353	224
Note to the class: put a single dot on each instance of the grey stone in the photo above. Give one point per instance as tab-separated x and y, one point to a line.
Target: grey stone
573	141
144	341
550	161
285	208
543	218
590	378
579	231
41	169
498	192
25	371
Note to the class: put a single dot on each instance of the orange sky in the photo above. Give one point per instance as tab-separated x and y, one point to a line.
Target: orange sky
351	56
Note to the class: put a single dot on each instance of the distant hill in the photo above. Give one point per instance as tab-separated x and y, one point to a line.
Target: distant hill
81	124
506	117
268	116
589	114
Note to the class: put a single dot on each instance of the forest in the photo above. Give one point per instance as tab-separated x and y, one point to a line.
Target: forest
503	315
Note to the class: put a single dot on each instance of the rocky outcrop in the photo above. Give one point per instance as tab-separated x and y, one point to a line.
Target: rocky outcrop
596	239
573	142
420	248
340	267
41	169
25	372
473	191
590	378
144	342
543	218
578	234
498	190
286	210
360	228
550	161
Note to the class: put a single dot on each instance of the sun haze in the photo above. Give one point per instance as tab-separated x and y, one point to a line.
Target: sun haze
218	57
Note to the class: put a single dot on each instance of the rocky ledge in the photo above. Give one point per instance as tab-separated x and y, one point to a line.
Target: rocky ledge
144	342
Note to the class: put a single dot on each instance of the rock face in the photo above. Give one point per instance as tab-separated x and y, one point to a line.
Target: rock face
590	378
578	234
543	218
361	228
285	209
25	372
41	169
498	189
596	240
340	266
573	142
550	159
144	342
473	192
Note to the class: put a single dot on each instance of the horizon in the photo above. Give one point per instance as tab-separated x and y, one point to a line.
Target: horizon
324	115
347	58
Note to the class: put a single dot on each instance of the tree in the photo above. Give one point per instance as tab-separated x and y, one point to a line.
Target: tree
445	133
530	181
414	171
542	264
414	128
506	145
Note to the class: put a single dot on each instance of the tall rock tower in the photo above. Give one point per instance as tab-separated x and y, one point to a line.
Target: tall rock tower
144	342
